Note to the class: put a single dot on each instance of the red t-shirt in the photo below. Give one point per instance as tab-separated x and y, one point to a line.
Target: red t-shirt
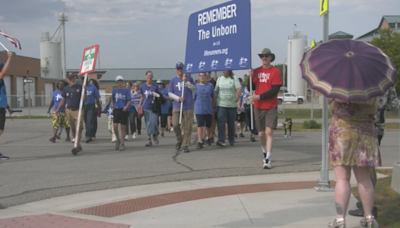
264	79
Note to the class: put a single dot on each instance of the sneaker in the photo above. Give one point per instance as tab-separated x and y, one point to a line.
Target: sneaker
149	143
76	150
203	141
3	157
235	135
67	140
139	133
178	145
232	143
121	147
209	142
117	142
267	164
134	135
211	139
156	139
252	139
186	149
162	134
199	145
73	140
113	140
221	143
52	139
241	135
58	136
88	140
127	137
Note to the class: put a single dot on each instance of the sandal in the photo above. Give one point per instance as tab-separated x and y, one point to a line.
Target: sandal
372	223
335	223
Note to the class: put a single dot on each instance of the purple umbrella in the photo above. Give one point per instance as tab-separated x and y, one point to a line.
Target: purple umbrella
348	70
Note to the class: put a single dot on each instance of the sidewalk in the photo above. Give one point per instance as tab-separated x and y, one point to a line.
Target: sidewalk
270	200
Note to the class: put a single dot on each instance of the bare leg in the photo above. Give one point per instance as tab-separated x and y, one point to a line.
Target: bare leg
67	132
342	189
270	139
365	188
123	134
116	131
200	133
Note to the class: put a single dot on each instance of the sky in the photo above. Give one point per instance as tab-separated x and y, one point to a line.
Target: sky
152	33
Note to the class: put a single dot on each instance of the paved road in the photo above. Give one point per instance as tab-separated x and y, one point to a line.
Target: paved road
40	169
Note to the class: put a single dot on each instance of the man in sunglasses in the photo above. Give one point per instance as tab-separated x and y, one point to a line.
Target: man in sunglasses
266	81
178	85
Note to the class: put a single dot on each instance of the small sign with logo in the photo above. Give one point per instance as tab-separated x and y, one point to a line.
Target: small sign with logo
28	80
89	59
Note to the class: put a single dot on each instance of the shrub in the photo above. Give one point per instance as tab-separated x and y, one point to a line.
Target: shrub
311	124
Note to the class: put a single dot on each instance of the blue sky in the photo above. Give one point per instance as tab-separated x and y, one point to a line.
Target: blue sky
152	33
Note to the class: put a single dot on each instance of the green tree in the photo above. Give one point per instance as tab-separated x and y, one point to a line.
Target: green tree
389	42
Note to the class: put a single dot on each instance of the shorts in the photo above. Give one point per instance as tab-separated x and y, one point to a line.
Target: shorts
265	118
170	111
120	117
72	118
2	118
60	120
241	117
204	120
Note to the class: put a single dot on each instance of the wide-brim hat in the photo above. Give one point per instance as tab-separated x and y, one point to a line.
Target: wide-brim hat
267	51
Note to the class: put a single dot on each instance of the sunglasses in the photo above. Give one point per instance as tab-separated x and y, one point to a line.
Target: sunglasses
179	68
264	56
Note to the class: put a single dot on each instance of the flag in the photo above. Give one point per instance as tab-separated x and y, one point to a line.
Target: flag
11	39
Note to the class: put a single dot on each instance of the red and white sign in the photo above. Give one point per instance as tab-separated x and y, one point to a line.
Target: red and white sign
89	59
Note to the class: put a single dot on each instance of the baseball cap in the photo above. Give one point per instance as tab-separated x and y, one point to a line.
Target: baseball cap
180	64
119	78
159	81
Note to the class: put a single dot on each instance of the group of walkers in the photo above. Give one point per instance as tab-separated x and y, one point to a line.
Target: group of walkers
220	101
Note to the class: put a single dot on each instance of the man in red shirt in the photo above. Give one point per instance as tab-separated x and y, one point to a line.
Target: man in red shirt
267	82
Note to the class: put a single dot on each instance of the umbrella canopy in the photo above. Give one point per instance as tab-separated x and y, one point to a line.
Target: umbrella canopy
348	70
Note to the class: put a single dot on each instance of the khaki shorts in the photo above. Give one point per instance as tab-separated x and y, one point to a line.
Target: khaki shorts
72	118
265	118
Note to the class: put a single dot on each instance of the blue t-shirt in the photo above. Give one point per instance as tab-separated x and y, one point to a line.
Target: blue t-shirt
91	93
175	87
57	100
147	94
204	96
167	104
120	97
3	94
241	99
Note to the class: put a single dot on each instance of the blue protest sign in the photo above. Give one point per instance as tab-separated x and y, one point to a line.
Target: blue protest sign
219	38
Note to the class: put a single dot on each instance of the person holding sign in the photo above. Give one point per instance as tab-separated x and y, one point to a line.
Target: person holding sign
266	81
3	97
120	101
181	89
71	98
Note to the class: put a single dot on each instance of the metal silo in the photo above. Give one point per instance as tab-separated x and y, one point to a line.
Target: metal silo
50	56
296	46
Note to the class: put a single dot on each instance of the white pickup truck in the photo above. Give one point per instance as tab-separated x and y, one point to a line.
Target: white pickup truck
290	97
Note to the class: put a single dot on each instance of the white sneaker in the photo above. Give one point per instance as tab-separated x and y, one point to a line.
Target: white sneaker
267	164
127	137
134	135
73	140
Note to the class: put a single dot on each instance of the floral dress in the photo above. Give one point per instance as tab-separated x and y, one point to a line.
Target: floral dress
352	135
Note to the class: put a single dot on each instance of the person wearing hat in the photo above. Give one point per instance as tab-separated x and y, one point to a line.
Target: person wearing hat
3	97
178	85
164	107
71	97
266	81
120	102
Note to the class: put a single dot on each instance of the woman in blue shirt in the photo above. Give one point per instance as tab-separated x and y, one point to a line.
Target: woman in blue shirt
149	91
59	120
133	115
